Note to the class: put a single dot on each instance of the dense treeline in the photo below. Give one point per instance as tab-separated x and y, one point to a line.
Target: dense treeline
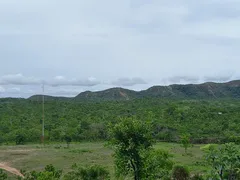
204	120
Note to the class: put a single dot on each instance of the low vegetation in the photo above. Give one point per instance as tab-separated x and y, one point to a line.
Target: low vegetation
140	139
162	160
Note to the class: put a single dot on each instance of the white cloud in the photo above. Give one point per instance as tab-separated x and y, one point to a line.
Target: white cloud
18	79
220	78
229	28
2	89
128	81
67	91
14	90
181	80
62	81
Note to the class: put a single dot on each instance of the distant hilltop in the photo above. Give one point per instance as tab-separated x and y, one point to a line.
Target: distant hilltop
190	91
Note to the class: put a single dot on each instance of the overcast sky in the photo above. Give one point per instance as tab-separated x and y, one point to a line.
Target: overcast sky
77	45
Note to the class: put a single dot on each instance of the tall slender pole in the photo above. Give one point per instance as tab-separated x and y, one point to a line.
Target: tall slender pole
43	114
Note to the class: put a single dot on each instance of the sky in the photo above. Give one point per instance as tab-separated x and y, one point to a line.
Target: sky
72	46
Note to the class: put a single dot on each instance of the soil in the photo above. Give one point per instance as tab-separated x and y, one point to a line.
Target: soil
4	165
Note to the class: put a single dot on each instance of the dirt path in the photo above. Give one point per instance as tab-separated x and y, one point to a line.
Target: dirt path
10	169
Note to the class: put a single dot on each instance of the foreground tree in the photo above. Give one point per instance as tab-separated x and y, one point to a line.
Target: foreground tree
132	141
224	160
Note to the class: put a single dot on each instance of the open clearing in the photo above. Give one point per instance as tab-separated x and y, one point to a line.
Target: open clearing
36	157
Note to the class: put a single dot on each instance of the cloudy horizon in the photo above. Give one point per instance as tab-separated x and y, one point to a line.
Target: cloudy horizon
74	46
20	86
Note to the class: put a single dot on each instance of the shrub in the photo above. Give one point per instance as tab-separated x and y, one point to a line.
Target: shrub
158	164
20	139
180	173
1	139
95	172
49	173
56	173
3	175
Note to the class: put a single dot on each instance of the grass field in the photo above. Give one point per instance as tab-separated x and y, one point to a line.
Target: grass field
36	157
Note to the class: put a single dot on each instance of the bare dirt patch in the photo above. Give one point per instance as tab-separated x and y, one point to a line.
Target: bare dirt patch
10	156
10	169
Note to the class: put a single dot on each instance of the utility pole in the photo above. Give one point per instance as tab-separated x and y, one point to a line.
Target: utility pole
43	114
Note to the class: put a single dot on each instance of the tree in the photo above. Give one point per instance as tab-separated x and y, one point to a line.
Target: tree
132	141
185	140
224	160
68	140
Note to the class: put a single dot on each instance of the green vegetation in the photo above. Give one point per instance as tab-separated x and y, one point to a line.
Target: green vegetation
149	136
224	161
3	175
185	140
49	173
206	121
35	157
87	173
132	141
180	173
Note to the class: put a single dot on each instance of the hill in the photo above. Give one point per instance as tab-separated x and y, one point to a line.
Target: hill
48	98
204	91
191	91
109	94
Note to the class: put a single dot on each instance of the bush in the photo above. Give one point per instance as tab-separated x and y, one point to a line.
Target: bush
3	175
20	139
95	172
56	173
49	173
158	164
180	173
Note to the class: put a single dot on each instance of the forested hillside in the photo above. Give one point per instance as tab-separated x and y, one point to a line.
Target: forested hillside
205	120
208	90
